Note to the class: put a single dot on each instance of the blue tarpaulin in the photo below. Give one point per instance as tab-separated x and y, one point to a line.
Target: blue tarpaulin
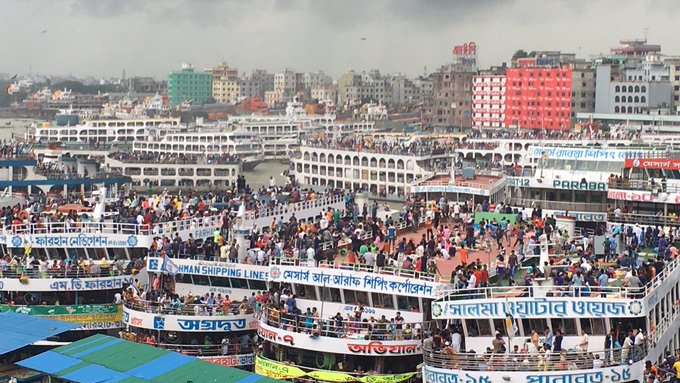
19	330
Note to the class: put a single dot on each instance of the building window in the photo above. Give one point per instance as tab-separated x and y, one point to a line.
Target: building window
616	109
644	99
643	89
617	99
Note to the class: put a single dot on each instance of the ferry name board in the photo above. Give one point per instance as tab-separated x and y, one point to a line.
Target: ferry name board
583	307
652	163
616	374
60	240
365	281
212	269
188	323
579	185
586	154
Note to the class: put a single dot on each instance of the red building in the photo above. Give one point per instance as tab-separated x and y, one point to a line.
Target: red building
537	97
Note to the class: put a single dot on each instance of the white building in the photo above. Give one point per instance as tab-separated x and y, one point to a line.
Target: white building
488	101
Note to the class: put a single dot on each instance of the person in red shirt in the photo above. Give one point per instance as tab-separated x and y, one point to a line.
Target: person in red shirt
484	280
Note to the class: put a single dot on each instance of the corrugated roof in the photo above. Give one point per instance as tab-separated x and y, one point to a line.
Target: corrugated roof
105	359
19	330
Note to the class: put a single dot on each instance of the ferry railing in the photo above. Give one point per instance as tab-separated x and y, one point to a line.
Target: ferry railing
558	205
660	330
360	330
656	187
108	227
473	185
20	270
207	350
644	219
356	375
189	309
341	265
279	210
574	359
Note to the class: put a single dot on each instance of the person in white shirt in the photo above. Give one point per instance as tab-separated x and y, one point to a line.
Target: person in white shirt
583	343
472	282
597	362
369	258
456	340
118	299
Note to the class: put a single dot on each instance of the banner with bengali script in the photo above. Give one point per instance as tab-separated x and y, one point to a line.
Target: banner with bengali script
81	314
278	370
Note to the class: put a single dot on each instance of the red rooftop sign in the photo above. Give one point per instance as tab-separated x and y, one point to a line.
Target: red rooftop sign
467	49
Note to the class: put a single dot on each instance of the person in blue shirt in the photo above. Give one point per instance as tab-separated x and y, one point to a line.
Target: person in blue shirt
603	281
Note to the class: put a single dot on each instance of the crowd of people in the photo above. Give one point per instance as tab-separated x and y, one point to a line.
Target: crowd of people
182	159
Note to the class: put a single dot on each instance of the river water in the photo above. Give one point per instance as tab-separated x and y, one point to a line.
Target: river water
255	178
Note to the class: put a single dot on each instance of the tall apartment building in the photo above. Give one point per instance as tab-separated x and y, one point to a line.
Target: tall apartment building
582	87
640	87
538	97
674	78
488	99
451	103
188	85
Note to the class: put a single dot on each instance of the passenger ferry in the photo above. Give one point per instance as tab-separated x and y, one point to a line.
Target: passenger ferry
198	141
591	325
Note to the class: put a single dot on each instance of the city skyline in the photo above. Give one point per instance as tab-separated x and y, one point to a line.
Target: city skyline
103	38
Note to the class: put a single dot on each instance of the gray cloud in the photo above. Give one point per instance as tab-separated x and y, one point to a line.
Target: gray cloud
103	37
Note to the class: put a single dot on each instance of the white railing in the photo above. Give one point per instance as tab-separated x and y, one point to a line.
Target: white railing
108	227
280	210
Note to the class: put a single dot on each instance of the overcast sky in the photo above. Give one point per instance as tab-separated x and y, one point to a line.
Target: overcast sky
151	38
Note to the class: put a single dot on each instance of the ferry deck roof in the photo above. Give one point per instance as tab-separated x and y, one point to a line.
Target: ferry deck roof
105	359
20	330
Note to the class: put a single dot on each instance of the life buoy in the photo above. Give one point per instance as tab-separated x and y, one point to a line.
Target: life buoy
343	252
325	360
23	215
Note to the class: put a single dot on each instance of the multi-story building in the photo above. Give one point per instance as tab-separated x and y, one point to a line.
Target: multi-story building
146	85
257	83
226	90
348	87
451	103
638	88
488	99
538	97
582	87
223	71
324	93
188	85
424	88
674	78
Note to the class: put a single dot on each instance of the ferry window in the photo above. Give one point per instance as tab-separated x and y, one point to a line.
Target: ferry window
565	196
382	301
589	166
219	282
257	285
362	298
533	324
239	283
349	297
596	198
331	294
184	278
201	280
499	325
408	303
478	327
567	326
593	326
306	291
579	197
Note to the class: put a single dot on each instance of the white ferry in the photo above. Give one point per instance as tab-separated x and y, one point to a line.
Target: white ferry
521	320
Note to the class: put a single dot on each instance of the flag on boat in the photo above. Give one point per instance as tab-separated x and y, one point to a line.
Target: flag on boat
169	266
